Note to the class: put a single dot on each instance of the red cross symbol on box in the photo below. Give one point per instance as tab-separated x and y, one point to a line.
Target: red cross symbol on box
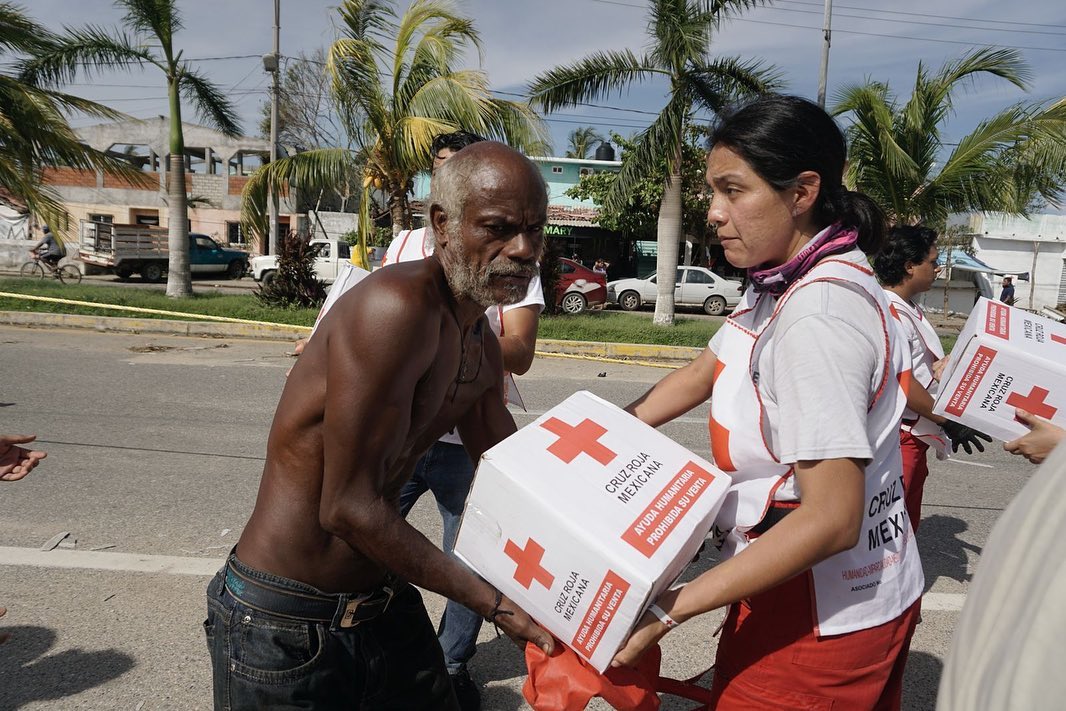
572	441
528	560
1033	402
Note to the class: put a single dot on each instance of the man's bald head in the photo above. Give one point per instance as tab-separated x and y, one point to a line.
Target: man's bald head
477	167
487	207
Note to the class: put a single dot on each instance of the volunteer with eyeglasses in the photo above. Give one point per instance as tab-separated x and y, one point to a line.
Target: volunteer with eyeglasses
820	572
907	267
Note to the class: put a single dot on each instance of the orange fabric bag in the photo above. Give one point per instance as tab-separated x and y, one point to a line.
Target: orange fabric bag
566	682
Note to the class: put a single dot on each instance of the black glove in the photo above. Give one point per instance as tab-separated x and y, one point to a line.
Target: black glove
963	436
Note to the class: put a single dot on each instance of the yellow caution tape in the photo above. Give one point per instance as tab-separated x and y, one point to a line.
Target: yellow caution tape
161	312
228	319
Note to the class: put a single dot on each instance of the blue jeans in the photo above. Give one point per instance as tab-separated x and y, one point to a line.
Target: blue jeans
281	644
447	471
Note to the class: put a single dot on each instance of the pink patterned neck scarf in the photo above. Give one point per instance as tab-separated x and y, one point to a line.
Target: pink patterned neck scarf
832	240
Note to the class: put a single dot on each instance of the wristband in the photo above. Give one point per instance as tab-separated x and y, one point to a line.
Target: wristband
663	616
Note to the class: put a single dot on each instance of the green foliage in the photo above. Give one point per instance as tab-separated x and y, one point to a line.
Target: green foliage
639	216
581	141
295	283
679	48
34	131
244	306
381	237
897	153
616	327
397	84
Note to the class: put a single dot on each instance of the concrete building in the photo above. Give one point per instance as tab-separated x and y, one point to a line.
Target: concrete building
217	169
1036	245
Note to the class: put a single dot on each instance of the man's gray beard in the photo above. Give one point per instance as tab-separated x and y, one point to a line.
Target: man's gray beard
467	281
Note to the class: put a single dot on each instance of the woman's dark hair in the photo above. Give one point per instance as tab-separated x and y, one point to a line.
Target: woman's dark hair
454	141
782	136
904	245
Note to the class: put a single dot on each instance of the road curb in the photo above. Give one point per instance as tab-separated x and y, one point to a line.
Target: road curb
116	324
166	327
617	351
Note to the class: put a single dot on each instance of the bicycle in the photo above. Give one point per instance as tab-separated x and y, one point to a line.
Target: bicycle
68	273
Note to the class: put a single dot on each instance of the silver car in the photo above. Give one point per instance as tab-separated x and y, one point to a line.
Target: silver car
695	286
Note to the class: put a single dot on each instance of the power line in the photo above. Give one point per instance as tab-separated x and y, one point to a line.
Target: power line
866	34
916	22
922	14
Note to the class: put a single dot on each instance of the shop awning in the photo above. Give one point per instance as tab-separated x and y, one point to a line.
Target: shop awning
963	262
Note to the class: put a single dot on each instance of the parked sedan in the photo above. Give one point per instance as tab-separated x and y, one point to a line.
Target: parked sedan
579	287
695	286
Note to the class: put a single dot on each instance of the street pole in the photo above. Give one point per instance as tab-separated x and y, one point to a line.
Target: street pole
823	75
272	196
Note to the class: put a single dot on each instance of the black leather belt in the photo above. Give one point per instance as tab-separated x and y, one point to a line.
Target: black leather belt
344	610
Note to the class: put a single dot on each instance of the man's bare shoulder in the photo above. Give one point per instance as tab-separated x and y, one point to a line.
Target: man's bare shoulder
396	307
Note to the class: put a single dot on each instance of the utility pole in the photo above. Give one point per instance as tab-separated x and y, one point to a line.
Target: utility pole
275	69
827	32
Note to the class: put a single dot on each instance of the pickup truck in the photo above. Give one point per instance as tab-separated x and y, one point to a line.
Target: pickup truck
128	249
330	256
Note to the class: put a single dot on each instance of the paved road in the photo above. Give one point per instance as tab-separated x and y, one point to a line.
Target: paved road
155	449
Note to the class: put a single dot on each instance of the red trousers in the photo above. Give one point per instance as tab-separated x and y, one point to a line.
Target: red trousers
770	657
915	472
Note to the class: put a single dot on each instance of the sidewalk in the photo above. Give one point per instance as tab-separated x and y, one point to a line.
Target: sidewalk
667	355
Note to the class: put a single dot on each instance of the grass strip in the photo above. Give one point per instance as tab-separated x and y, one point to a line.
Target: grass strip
238	306
595	326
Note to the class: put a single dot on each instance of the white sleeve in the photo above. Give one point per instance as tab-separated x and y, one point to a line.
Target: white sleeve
534	296
825	369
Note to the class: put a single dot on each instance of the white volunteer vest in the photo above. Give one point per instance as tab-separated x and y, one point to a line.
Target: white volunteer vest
911	318
880	577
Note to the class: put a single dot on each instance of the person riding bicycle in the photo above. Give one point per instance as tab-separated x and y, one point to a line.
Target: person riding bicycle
49	249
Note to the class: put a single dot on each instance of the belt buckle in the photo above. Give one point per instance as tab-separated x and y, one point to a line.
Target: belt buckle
351	607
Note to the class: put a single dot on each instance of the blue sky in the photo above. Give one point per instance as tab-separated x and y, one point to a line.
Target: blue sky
524	37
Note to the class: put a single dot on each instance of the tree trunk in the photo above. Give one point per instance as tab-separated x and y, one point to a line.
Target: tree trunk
179	278
400	210
669	236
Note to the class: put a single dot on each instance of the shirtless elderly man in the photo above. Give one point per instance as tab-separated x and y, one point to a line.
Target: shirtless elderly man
316	606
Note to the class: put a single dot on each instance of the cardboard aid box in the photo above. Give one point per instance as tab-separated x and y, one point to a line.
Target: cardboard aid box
584	517
1005	358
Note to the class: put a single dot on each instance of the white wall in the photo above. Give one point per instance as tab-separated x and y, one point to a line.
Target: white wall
1009	243
15	252
1018	255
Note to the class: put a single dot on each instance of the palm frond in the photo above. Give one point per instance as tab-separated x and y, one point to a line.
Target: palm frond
311	171
209	101
599	75
1020	139
91	49
878	165
19	33
159	18
432	32
721	81
663	137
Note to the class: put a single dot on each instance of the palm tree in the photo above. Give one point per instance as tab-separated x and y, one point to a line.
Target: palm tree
153	24
896	153
397	87
581	140
680	37
34	132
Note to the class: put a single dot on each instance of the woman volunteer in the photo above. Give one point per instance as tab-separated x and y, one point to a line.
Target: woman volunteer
805	419
907	266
